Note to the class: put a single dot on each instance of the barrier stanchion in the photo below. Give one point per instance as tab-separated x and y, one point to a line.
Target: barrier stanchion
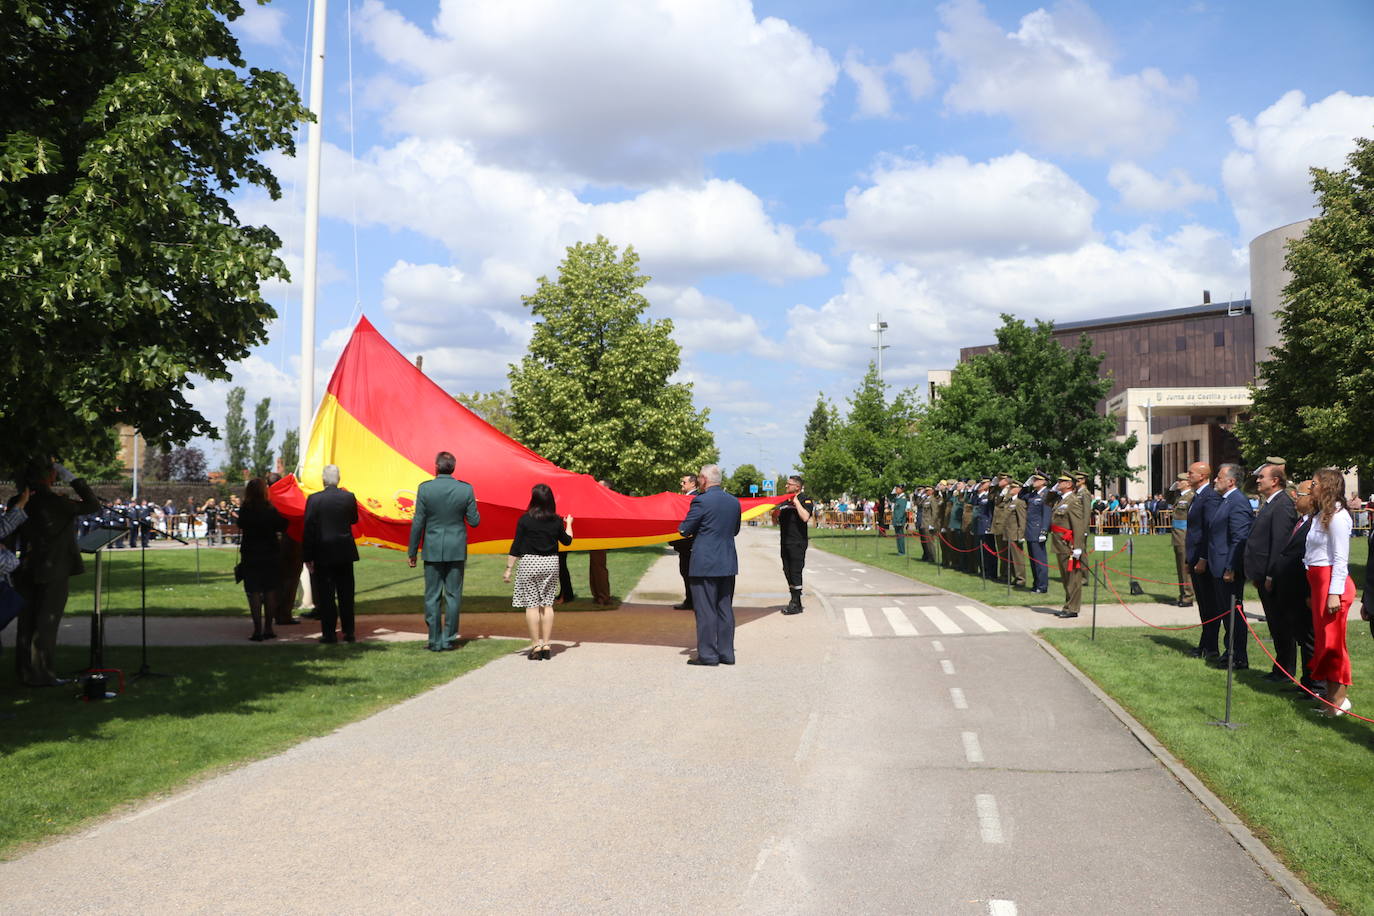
1225	721
1093	637
1130	554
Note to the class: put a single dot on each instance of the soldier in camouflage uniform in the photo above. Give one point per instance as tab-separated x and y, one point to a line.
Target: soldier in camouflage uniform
1182	501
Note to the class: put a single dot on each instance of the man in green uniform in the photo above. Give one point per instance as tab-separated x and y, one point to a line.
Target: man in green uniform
941	532
1183	498
1069	528
901	508
1000	505
956	525
444	509
1015	529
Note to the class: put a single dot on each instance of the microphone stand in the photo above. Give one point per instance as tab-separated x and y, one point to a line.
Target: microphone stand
146	527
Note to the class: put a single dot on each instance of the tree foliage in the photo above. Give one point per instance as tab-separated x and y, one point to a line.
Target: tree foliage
263	432
492	406
872	449
124	271
290	450
740	481
1028	403
97	457
819	426
235	435
188	465
592	393
1314	399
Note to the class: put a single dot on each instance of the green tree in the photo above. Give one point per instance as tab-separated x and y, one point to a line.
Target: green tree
871	450
188	465
819	426
593	394
1028	403
263	431
741	479
97	457
492	406
235	436
290	450
124	271
1315	394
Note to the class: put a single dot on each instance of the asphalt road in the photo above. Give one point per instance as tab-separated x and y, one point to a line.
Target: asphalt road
895	749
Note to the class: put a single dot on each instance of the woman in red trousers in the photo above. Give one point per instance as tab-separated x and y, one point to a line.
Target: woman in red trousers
1327	559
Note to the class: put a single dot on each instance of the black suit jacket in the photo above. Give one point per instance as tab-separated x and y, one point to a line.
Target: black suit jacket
329	519
48	538
1290	576
1199	511
1268	536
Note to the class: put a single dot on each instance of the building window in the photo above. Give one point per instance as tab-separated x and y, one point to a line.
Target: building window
1219	339
1180	343
1145	372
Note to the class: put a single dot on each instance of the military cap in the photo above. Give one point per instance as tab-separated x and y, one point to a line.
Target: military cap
1065	477
1181	477
1270	460
1004	474
1080	474
1039	475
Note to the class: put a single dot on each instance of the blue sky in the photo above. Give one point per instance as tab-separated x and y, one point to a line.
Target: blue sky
789	170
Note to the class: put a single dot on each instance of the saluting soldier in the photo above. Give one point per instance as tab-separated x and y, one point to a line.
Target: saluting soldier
1179	513
956	525
942	521
925	522
1036	497
1000	504
1069	525
1015	525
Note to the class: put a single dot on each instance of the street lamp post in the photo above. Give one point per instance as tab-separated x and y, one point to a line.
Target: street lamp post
878	327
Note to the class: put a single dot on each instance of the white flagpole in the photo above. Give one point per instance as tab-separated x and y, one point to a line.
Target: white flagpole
312	228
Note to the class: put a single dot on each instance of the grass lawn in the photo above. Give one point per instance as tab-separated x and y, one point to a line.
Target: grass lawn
67	761
184	582
1303	783
1153	559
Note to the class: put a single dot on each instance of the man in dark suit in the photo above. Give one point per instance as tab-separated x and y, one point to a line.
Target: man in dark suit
984	537
1291	592
1276	520
1036	496
329	552
444	508
1205	499
713	520
683	546
1228	527
47	561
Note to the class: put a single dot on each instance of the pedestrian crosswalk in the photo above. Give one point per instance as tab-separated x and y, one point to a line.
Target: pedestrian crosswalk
927	620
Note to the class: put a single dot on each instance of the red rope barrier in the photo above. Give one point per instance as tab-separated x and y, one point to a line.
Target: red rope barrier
956	549
1143	579
1107	580
1289	675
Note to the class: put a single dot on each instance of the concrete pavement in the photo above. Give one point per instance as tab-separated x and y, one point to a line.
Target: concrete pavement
895	749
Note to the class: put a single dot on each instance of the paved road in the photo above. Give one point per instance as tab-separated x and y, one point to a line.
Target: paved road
895	749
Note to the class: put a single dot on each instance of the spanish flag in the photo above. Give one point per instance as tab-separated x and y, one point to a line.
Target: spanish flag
382	421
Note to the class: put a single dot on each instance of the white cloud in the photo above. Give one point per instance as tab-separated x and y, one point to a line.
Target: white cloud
1009	205
1142	190
262	24
935	308
1266	176
620	93
708	324
1054	78
873	100
913	68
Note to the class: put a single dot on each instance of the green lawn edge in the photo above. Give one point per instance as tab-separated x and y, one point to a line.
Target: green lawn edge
1300	782
69	763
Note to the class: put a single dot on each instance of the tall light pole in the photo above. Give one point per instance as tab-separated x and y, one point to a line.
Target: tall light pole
878	328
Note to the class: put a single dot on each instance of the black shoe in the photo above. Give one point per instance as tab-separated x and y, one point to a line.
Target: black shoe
697	661
684	606
727	661
1221	661
545	654
256	637
349	637
1066	615
310	615
1275	677
534	654
1195	652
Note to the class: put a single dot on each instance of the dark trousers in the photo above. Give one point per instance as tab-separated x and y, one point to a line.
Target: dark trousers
332	584
684	561
565	589
1204	588
1039	557
598	576
1280	628
1291	599
35	644
289	580
987	549
1228	596
793	562
927	547
713	600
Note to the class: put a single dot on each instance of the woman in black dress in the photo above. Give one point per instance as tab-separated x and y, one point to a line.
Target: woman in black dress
537	536
260	552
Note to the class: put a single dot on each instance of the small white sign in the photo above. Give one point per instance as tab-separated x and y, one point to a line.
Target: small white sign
1102	544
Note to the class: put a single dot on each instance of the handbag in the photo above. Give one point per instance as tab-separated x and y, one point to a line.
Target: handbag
238	567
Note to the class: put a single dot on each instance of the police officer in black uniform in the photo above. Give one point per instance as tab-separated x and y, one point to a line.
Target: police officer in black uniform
793	516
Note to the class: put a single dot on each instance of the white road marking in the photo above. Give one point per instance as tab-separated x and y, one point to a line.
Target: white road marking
1001	908
989	824
957	696
946	666
937	645
808	738
899	600
983	620
856	569
972	749
940	619
856	621
900	624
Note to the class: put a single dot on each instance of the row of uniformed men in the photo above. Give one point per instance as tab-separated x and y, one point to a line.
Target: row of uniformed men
965	523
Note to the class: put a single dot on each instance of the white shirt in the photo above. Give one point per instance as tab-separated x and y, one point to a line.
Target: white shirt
1330	547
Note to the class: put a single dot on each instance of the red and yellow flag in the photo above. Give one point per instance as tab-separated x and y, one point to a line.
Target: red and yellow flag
382	421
